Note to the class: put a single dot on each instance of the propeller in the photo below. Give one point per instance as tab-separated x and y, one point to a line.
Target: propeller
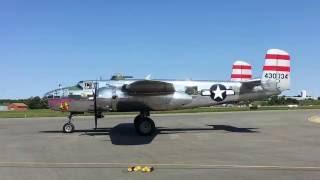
95	105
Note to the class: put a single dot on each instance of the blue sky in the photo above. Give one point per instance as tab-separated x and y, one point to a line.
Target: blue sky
44	43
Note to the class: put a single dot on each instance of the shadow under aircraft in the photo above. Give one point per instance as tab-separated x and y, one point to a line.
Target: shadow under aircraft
125	133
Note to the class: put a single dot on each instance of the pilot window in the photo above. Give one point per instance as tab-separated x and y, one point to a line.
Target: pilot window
191	90
88	85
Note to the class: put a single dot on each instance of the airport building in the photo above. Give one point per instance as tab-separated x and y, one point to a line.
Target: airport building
17	107
4	108
302	96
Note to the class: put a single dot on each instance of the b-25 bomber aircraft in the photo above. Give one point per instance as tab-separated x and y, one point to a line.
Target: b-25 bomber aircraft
123	94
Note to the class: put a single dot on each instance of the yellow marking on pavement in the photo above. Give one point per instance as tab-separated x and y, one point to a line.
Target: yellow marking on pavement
161	166
315	119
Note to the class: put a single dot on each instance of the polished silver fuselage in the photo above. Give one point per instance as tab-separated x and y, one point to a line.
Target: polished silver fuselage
113	95
180	98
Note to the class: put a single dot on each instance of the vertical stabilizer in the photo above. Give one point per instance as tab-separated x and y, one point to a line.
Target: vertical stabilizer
276	70
241	71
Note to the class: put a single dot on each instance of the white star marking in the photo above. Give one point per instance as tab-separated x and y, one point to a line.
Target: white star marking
218	93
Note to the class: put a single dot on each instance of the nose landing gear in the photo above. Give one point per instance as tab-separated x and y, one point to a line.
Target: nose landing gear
68	127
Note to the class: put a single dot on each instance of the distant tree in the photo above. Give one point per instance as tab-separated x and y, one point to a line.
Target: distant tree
44	103
276	100
9	101
273	100
37	103
33	102
318	98
292	101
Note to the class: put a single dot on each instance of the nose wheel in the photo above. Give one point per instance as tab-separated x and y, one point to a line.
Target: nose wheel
68	127
144	125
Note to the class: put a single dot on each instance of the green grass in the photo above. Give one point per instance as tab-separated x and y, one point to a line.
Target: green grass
32	113
50	113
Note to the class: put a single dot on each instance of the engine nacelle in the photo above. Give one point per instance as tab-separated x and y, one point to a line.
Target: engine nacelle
105	98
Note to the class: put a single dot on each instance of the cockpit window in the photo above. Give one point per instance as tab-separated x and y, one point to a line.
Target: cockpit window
88	85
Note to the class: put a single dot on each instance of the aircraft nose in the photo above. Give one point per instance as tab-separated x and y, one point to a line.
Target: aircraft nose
57	93
56	97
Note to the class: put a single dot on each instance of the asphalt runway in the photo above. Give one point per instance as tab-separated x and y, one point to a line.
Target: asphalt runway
239	145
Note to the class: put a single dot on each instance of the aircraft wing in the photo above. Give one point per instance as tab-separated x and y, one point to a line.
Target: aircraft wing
149	87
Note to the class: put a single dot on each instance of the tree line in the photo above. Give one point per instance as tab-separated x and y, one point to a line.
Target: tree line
32	102
282	100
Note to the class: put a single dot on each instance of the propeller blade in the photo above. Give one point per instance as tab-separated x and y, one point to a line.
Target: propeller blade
95	106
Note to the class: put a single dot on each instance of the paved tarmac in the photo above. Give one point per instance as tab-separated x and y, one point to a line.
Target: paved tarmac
239	145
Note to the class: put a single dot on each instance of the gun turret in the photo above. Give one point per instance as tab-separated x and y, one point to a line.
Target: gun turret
118	77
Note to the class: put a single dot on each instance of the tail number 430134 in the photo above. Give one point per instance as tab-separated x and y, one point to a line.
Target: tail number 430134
276	76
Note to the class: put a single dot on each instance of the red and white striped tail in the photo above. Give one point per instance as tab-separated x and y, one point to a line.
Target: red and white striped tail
241	71
276	70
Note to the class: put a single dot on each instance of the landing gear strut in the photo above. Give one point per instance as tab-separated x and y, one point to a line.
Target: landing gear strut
143	124
68	127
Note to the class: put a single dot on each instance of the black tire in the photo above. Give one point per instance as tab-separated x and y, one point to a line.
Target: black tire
145	127
136	121
68	128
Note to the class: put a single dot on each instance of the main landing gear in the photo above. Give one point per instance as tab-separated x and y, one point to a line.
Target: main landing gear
144	125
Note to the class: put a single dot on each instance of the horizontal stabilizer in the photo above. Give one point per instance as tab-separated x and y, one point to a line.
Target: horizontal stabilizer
250	84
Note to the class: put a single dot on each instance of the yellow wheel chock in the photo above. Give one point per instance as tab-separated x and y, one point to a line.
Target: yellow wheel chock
144	169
